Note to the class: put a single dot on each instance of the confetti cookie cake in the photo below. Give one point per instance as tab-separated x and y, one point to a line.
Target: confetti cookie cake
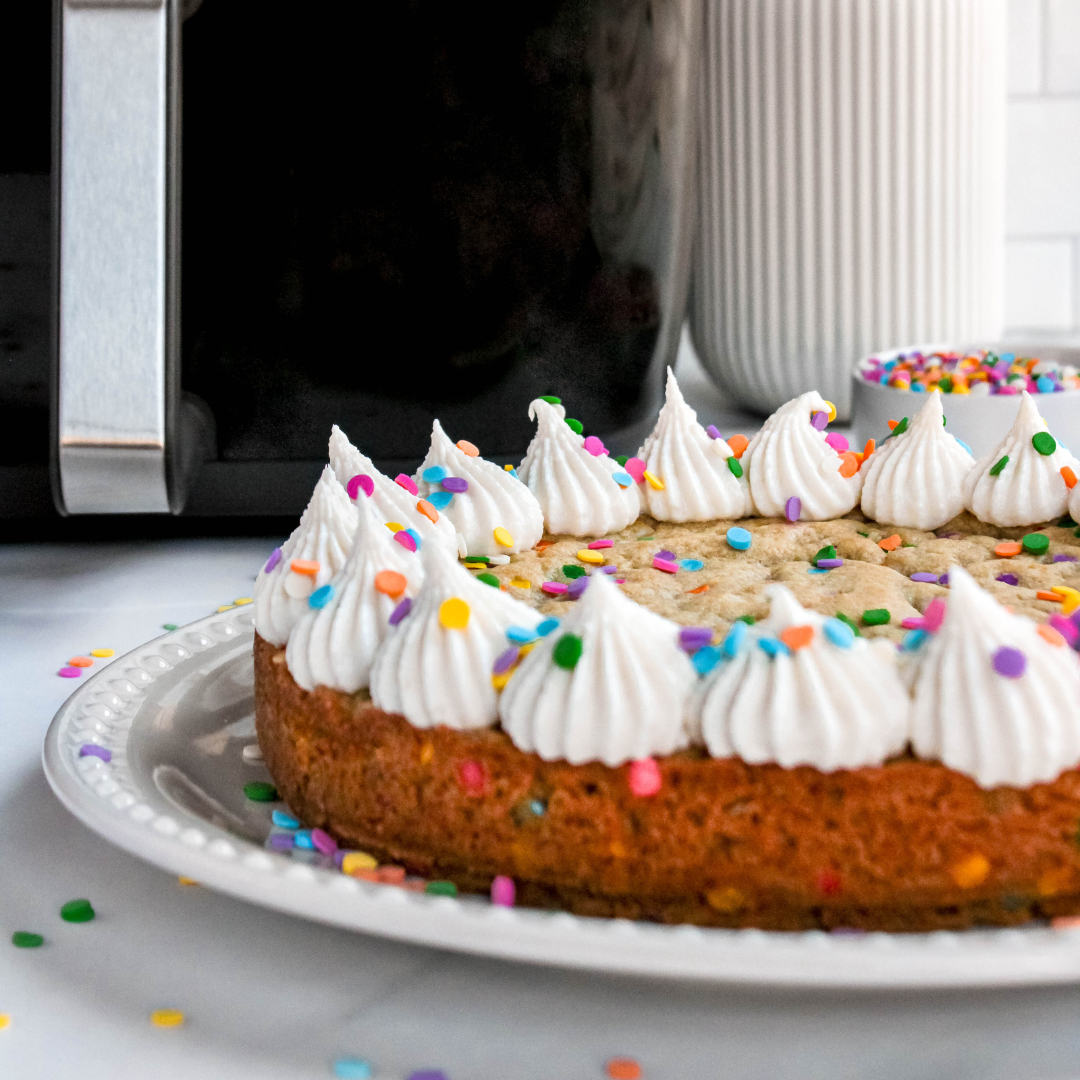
772	683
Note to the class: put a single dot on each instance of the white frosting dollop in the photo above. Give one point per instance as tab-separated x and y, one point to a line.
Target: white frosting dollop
494	499
827	704
623	700
324	535
390	501
1029	489
335	645
698	484
433	674
574	488
997	729
790	457
917	478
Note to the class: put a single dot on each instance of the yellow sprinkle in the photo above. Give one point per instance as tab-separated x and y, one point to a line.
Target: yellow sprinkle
971	871
454	613
521	583
186	880
832	411
242	600
102	652
427	753
1071	601
394	526
166	1018
358	860
499	681
5	1019
225	607
503	537
509	468
476	566
960	388
654	481
594	557
727	900
526	649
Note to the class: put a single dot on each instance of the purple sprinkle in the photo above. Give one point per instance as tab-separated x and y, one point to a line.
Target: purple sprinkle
1065	558
70	673
692	638
323	841
93	750
1008	579
282	841
1011	663
947	536
793	508
339	856
456	484
604	570
943	580
577	587
820	420
829	564
712	432
400	611
922	575
428	1074
505	660
275	558
669	555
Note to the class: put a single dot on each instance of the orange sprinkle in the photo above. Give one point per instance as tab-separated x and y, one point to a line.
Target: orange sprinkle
971	871
81	661
869	448
390	583
890	543
1008	549
1066	922
893	423
849	464
1049	634
1068	476
738	444
428	510
797	637
699	589
1053	597
310	567
391	875
543	545
623	1069
467	447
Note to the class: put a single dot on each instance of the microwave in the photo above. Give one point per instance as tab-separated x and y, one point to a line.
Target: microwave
260	219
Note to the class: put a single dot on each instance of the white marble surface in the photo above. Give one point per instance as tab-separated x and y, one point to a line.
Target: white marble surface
274	997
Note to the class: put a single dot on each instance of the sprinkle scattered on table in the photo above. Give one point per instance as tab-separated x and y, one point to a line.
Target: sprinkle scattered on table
167	1018
77	911
260	791
623	1068
353	1069
24	939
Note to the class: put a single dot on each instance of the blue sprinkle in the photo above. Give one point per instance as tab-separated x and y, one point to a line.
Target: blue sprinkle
303	840
537	807
1045	384
734	638
352	1069
623	479
918	388
321	597
691	564
435	475
773	646
512	471
547	626
912	640
704	660
416	536
738	538
818	570
964	445
440	499
286	821
839	633
520	635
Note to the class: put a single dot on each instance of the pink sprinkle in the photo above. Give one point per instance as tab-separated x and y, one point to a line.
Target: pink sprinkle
503	891
407	483
837	441
597	544
645	778
1065	627
595	446
473	778
913	622
360	482
934	614
70	672
666	565
323	841
636	468
553	588
619	580
405	539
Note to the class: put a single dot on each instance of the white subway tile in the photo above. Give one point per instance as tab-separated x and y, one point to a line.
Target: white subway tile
1062	46
1043	166
1038	285
1025	46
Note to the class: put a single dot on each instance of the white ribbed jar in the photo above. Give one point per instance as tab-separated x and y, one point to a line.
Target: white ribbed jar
851	187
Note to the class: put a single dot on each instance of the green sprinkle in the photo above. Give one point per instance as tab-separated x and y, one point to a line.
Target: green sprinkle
77	911
573	571
1076	532
440	888
944	420
567	651
23	940
904	543
848	621
748	619
477	558
576	426
1036	543
646	538
260	791
877	616
999	465
946	384
900	428
168	626
735	467
828	552
1066	522
622	459
861	533
1044	442
551	399
488	579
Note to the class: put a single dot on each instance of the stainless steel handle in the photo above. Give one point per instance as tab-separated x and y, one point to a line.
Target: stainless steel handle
118	403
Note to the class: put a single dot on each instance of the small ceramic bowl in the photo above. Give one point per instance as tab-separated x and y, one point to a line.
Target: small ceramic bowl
980	420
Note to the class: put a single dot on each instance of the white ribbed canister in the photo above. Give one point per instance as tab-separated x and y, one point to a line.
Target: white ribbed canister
851	187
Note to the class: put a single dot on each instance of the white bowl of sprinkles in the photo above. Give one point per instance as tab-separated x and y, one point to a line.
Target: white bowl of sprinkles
980	386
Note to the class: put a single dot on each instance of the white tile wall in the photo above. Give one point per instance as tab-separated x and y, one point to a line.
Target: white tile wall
1043	170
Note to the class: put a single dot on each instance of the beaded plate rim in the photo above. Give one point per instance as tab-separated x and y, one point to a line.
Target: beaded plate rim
118	805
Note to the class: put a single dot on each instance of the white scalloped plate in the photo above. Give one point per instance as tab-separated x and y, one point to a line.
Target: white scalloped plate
176	715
